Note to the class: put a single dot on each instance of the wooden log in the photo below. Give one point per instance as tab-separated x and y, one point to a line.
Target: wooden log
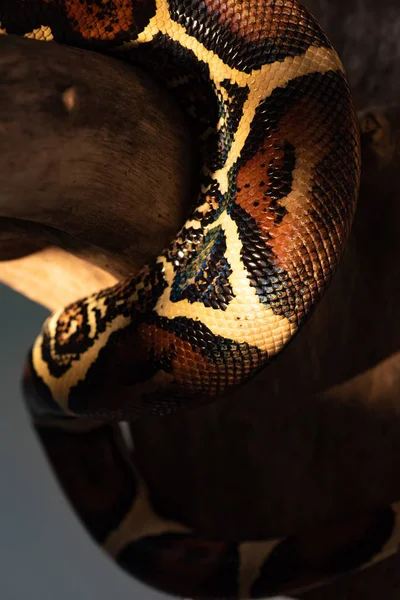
94	158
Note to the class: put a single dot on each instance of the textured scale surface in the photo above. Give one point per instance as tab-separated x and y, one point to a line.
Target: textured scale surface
271	106
279	181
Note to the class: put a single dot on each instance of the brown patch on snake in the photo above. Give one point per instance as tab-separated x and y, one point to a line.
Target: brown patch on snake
255	179
274	189
298	240
299	189
255	21
266	176
79	22
191	368
320	206
100	20
184	361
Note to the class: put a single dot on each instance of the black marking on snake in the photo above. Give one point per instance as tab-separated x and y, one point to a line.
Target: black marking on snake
166	59
18	18
236	52
215	347
280	179
333	173
209	344
286	563
109	359
205	278
218	143
184	248
218	201
37	395
194	567
116	302
237	97
214	147
26	16
271	110
272	283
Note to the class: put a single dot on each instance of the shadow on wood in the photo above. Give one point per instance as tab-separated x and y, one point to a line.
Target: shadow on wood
94	158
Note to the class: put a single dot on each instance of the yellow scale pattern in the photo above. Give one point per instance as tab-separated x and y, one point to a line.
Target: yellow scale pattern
246	319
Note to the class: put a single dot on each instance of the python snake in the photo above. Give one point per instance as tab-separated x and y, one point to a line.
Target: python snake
279	139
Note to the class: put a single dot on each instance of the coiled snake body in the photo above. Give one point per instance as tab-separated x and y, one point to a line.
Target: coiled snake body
279	180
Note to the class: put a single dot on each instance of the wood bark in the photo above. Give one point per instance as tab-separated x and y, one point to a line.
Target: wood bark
317	435
94	158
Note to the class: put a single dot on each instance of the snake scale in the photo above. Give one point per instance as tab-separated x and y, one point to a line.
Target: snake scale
279	140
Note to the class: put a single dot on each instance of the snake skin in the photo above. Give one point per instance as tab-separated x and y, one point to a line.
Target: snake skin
278	133
128	522
279	181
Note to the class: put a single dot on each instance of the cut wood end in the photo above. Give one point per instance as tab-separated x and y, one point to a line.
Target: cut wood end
54	277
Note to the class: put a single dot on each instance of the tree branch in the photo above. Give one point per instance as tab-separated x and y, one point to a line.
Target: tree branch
94	158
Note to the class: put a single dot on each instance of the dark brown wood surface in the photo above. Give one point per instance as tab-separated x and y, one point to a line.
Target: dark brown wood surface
94	157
